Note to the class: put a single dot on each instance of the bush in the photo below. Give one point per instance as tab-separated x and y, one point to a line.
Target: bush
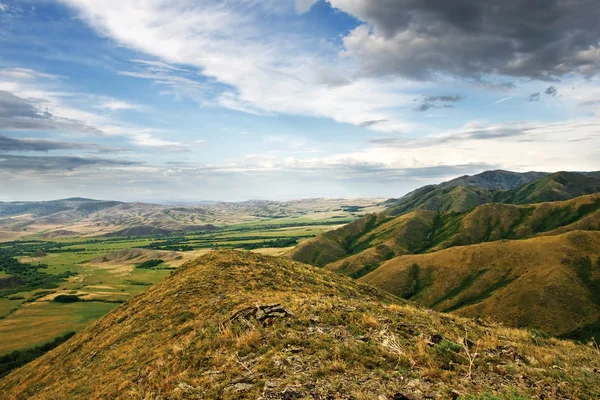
66	298
150	263
19	358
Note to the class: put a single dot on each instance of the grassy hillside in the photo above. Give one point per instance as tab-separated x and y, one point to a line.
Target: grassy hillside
467	192
233	325
555	187
361	247
550	283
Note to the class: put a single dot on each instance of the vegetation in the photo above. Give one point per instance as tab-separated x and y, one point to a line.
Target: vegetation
25	276
18	358
329	336
374	239
150	263
549	283
66	298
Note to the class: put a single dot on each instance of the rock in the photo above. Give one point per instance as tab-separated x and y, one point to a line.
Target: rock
262	313
242	387
403	396
436	339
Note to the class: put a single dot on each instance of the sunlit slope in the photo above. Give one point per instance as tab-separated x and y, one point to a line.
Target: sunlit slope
235	325
467	192
360	248
550	283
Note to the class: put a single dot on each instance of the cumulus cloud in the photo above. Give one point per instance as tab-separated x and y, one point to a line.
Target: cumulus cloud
534	97
472	38
241	64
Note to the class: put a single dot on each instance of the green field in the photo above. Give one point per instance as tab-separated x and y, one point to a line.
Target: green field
29	316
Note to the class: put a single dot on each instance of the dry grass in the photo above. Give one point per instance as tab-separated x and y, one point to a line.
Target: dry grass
536	279
370	321
176	341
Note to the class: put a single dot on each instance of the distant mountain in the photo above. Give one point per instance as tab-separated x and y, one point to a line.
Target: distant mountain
496	180
361	246
449	216
555	187
236	325
467	192
45	208
87	217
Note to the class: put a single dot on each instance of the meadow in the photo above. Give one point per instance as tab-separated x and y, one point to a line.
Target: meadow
102	272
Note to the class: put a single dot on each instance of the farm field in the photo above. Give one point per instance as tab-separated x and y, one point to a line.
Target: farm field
104	272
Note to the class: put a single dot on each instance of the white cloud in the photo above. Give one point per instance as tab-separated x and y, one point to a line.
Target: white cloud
303	6
147	140
118	105
252	69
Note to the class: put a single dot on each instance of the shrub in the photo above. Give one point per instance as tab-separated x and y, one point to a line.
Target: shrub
67	298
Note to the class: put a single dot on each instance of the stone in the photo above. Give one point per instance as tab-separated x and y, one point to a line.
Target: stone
242	387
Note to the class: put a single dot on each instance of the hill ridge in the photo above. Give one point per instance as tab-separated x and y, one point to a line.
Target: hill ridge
324	336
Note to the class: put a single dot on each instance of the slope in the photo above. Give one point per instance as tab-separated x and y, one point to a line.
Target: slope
361	247
234	325
550	283
467	192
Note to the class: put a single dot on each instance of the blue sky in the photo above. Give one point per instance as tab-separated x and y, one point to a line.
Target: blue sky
155	100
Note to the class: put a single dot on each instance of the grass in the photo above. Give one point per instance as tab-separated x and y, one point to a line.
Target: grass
341	338
549	282
41	322
118	279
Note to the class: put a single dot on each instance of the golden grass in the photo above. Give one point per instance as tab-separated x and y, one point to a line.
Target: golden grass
520	283
176	340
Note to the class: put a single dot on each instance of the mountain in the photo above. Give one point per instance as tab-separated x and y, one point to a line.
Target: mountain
235	325
555	187
535	250
550	283
93	218
361	246
496	180
467	192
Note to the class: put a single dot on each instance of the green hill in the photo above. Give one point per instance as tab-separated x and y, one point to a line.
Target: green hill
362	246
550	283
467	192
235	325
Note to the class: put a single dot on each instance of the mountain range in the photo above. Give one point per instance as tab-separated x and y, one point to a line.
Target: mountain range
492	244
91	218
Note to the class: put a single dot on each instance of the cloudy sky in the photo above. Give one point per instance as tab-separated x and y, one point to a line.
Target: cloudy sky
183	100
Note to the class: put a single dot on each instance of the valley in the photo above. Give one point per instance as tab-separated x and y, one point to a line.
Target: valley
530	260
103	270
497	251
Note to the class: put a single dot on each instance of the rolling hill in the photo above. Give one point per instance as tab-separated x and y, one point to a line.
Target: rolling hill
94	218
361	246
550	283
535	250
467	192
235	325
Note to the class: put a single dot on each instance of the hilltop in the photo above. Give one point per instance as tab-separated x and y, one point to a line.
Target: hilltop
233	325
467	192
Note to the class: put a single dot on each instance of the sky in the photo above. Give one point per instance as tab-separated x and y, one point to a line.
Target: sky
189	100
